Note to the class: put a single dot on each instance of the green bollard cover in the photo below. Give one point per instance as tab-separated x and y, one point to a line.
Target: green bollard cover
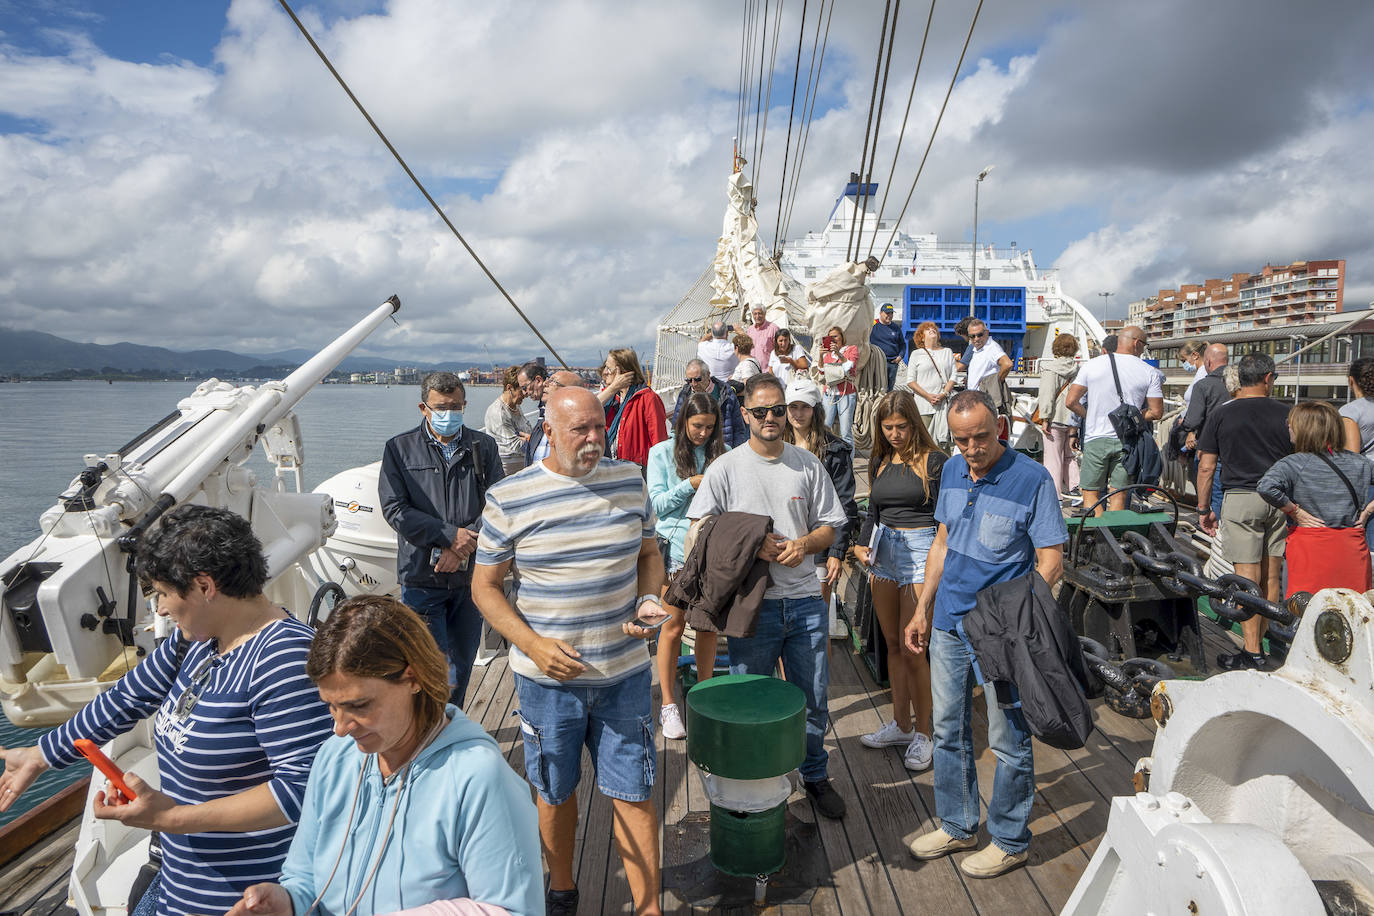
749	845
746	726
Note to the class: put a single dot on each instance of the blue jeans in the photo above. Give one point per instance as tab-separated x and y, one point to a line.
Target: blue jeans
839	413
956	779
455	624
793	630
614	721
892	374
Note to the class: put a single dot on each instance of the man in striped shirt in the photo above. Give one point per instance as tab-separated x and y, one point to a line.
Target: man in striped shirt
580	530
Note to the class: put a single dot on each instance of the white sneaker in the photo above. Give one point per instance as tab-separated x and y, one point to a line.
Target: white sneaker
918	753
888	736
671	720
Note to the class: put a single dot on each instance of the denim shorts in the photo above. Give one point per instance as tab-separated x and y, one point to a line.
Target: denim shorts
615	723
899	554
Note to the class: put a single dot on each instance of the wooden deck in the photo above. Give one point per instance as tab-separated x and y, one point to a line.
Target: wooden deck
856	866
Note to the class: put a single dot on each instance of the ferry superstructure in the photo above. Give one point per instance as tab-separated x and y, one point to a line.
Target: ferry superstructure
925	279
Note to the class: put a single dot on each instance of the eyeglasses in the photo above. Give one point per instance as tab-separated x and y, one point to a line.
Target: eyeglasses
200	679
776	410
446	406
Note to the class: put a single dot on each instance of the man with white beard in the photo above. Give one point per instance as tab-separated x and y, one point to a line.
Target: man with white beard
580	530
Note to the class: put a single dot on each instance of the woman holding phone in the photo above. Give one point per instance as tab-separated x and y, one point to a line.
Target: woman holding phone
904	483
236	721
840	365
675	469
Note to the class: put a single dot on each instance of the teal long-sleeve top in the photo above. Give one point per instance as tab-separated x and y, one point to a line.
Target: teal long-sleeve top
671	495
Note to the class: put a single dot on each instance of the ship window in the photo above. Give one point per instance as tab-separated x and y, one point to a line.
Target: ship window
811	272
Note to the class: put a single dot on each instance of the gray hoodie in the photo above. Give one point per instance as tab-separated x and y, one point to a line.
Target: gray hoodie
1055	375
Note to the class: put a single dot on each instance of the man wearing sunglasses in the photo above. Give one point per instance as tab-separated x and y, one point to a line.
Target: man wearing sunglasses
768	477
698	379
984	356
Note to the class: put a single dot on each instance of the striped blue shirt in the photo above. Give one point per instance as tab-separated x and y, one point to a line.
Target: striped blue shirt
258	720
575	542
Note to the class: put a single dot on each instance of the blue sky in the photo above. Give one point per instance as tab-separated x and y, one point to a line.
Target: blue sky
168	168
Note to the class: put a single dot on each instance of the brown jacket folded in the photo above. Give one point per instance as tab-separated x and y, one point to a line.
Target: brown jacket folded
721	584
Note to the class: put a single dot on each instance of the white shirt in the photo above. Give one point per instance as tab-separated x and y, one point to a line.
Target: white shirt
1198	376
1139	380
719	357
983	363
779	368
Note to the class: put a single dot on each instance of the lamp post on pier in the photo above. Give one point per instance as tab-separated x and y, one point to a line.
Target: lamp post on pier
973	278
1105	297
1298	341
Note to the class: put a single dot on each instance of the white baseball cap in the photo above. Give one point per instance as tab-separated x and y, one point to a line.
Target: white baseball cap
804	390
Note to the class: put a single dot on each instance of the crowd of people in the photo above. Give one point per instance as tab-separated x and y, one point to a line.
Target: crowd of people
618	523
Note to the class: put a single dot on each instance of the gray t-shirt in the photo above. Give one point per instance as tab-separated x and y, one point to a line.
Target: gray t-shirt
1361	410
793	490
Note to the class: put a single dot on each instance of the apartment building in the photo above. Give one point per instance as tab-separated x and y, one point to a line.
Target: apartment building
1302	292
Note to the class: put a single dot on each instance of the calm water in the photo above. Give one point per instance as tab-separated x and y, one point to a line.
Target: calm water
45	428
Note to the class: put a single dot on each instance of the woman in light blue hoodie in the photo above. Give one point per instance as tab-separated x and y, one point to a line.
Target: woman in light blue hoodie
411	806
674	473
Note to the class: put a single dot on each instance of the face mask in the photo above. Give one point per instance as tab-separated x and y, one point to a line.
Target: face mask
446	422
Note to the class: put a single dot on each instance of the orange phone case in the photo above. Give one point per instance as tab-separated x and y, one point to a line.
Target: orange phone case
104	764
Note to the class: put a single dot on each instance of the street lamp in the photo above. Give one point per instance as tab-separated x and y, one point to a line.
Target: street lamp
1105	297
1298	341
973	280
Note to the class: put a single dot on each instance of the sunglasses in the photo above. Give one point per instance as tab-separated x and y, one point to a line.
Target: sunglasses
776	410
978	336
200	679
694	379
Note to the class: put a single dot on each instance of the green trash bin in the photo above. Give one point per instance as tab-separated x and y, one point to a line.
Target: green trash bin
750	728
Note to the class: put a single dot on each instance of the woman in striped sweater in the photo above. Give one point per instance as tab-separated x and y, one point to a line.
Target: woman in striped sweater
236	721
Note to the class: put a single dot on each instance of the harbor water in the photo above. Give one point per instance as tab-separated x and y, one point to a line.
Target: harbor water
46	428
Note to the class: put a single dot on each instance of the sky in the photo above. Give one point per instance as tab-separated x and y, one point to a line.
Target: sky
188	175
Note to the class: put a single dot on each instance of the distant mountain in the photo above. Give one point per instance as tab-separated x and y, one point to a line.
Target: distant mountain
37	353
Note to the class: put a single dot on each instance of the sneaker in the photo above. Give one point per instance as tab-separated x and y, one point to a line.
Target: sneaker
1242	661
560	903
671	720
937	843
990	861
918	753
828	801
888	736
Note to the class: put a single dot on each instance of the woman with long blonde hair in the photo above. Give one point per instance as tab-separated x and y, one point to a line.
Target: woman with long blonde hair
904	483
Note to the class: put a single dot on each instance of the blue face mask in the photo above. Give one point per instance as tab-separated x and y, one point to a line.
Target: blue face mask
446	422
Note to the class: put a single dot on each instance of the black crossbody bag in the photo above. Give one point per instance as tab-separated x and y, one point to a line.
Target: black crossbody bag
1127	421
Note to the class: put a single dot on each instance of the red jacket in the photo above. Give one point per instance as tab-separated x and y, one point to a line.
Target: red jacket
644	425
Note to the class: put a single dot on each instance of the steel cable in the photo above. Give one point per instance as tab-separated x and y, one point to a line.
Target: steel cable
787	147
758	95
862	198
418	184
901	135
936	128
768	95
868	126
818	64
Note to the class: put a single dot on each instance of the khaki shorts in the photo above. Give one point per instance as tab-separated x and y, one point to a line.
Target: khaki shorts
1102	465
1252	528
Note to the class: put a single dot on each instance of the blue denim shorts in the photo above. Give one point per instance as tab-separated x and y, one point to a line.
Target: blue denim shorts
899	554
614	721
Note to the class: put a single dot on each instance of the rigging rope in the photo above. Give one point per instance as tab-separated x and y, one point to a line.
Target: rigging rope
872	97
936	128
748	63
739	107
902	133
432	202
863	197
768	95
758	95
806	121
787	148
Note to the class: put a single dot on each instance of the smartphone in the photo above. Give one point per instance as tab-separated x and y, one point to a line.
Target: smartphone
825	342
652	621
436	552
104	764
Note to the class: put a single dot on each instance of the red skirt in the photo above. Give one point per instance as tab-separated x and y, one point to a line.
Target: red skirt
1327	558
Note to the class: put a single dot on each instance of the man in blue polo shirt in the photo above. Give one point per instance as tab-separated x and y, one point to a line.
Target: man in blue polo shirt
999	517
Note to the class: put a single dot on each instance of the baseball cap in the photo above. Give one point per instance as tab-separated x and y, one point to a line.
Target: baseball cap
887	307
804	390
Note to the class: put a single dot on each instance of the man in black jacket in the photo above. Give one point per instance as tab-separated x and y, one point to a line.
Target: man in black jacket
432	490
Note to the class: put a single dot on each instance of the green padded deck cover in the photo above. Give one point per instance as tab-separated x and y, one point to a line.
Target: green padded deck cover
1122	520
746	726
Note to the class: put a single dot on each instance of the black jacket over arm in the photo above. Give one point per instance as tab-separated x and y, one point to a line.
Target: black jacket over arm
426	500
1020	636
839	464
